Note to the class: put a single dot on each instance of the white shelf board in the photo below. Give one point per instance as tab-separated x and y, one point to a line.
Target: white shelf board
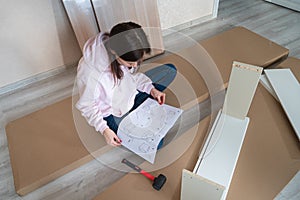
287	89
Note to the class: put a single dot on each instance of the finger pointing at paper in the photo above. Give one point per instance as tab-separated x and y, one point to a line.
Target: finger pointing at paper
158	95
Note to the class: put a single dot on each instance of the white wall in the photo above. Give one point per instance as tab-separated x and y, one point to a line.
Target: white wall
176	12
35	36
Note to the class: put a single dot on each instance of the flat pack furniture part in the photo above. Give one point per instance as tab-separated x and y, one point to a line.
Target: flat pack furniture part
82	17
265	82
145	13
241	89
290	63
287	89
89	17
219	155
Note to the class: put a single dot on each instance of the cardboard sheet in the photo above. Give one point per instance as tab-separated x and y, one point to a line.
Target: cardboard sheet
270	155
293	64
240	44
136	186
45	145
269	158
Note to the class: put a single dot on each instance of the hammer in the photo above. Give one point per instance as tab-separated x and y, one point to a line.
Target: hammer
158	182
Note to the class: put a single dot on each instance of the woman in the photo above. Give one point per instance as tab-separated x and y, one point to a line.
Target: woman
109	86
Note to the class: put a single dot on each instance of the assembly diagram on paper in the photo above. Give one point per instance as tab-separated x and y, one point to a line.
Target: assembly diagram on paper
142	130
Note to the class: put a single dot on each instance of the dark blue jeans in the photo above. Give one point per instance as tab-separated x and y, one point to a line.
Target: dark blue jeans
161	77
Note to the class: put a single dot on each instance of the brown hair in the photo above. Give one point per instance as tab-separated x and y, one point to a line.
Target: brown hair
129	42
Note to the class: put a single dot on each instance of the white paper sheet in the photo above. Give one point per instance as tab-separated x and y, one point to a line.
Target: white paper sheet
142	130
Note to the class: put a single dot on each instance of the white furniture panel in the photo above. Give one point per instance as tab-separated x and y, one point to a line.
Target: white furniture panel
216	163
82	18
241	88
143	12
88	17
265	82
195	187
220	157
287	89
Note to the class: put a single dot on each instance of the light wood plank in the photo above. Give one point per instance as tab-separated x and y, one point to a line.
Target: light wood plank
81	15
142	12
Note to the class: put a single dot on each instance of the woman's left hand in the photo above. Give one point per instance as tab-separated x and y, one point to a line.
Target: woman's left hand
158	95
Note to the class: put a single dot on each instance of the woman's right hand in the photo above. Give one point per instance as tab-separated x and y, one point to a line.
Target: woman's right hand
111	138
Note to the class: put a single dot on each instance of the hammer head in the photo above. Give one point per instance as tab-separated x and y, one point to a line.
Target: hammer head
159	182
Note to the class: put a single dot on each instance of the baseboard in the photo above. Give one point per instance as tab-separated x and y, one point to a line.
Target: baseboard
13	87
189	24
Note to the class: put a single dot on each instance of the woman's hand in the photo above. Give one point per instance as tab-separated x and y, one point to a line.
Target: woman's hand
111	138
158	95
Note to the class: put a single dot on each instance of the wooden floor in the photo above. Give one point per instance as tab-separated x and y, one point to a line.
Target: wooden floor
276	23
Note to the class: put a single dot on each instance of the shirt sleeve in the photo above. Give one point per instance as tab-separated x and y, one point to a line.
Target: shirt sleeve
88	104
144	83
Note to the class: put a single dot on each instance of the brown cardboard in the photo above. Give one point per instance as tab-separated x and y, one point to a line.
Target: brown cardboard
270	155
45	145
238	44
269	158
293	64
188	85
242	45
31	139
136	186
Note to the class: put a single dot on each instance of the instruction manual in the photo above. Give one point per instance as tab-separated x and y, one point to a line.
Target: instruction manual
142	130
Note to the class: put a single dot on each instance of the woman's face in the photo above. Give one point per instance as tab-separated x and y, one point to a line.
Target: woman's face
128	64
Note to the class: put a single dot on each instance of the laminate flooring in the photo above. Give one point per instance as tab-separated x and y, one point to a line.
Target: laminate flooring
276	23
